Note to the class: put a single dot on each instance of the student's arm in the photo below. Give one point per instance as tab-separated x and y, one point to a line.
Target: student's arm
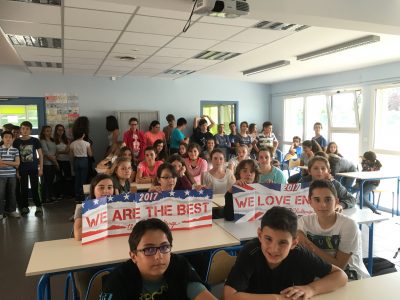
115	135
140	178
212	123
14	163
341	259
89	151
231	294
205	295
39	151
346	199
78	229
196	122
334	280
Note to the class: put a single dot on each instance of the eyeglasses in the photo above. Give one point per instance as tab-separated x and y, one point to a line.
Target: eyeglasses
167	177
133	124
150	251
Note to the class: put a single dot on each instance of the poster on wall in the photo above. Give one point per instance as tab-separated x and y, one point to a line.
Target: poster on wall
62	108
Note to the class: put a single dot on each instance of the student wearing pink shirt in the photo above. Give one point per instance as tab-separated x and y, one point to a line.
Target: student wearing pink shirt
147	169
194	164
153	134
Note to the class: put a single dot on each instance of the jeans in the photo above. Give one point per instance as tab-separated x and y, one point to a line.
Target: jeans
49	173
81	167
367	189
8	187
34	180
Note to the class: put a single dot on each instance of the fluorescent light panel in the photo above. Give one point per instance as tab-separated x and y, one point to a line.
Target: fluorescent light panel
277	64
216	55
30	41
50	2
280	26
178	72
340	47
43	64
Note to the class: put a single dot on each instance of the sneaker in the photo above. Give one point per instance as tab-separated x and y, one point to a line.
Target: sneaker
38	212
25	211
14	214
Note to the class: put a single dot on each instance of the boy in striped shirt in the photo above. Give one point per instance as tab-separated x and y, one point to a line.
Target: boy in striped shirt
9	162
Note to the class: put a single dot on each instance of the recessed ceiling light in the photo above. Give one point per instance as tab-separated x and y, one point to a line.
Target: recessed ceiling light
215	55
31	41
43	64
280	26
126	58
50	2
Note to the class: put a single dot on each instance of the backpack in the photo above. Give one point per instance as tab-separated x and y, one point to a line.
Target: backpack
381	266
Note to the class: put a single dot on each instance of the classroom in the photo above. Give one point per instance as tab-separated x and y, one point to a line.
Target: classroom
353	91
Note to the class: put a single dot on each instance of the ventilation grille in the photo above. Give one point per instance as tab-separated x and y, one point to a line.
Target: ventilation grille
178	72
280	26
42	64
242	6
215	55
50	2
41	42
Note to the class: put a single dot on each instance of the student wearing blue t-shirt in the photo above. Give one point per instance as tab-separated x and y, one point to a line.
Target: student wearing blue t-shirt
9	161
318	137
177	135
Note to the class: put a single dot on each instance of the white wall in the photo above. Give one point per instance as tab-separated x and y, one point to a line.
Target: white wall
367	79
99	97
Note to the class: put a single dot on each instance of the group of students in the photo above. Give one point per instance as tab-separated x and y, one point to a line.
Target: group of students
291	258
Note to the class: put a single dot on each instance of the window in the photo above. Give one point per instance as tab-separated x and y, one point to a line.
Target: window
338	112
222	112
387	119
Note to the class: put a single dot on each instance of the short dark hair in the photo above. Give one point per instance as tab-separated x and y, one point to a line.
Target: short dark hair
280	218
266	124
133	119
170	117
8	127
242	165
202	122
217	150
321	153
313	160
166	166
244	123
322	184
230	123
153	124
296	137
142	227
6	132
96	179
317	123
150	148
26	124
268	149
181	121
111	123
193	146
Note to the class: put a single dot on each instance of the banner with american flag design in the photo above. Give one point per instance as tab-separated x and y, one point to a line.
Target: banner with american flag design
117	215
250	202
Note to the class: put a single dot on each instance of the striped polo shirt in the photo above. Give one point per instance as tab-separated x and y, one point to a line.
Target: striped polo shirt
8	154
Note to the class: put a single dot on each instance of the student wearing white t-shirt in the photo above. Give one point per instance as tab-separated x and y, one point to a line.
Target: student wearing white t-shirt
80	150
331	235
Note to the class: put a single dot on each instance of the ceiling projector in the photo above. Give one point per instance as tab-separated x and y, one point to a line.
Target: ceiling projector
222	8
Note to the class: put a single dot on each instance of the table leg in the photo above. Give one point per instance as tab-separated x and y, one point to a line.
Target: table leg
361	194
43	288
370	247
397	207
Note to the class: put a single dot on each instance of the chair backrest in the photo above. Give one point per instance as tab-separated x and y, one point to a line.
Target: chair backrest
294	163
220	266
95	285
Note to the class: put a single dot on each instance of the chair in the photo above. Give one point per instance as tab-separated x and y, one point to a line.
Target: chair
379	192
293	164
95	284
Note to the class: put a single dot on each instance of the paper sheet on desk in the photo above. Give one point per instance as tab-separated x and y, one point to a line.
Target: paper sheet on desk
251	201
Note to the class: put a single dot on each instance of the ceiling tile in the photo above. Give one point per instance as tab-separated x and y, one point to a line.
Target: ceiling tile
39	54
191	43
111	73
165	13
100	5
95	18
80	66
156	25
117	56
68	71
78	60
84	54
42	58
167	76
30	12
242	22
147	65
188	67
135	49
146	71
237	47
259	36
144	39
87	45
116	68
171	52
90	34
165	60
120	63
211	31
45	70
32	29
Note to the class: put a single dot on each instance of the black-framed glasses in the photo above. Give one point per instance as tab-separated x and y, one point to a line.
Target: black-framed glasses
132	124
150	251
167	177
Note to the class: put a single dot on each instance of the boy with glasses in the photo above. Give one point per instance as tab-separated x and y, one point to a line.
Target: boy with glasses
153	272
134	139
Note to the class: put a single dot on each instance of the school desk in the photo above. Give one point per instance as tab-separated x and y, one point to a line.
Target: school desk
141	187
372	176
248	230
385	287
61	256
219	200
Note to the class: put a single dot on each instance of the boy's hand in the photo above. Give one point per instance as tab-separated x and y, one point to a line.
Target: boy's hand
339	208
298	292
40	172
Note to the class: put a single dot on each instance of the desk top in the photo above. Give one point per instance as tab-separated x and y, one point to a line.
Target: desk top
248	230
381	287
374	175
68	254
219	200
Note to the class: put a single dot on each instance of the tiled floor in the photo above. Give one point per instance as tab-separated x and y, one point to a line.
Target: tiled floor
18	236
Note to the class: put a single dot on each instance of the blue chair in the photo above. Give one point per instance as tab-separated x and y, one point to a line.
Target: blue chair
95	284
